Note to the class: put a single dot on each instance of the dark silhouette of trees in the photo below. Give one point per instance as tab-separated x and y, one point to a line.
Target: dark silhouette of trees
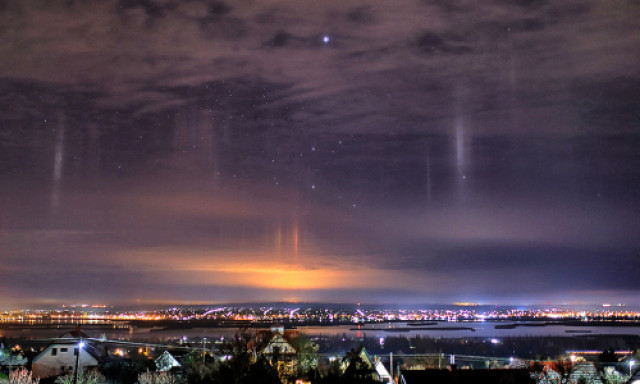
198	370
608	356
238	366
306	355
358	371
126	370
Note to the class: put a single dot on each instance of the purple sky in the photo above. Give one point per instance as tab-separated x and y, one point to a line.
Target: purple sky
384	152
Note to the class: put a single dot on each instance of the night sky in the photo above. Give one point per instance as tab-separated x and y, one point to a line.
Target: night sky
407	152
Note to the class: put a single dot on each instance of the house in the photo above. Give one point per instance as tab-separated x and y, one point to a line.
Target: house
635	379
578	372
166	362
13	361
515	363
465	376
585	372
59	357
382	371
357	363
361	353
276	346
549	375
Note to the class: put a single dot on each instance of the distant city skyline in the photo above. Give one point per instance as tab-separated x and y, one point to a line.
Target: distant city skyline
426	151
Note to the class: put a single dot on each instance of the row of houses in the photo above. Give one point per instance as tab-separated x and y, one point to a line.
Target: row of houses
77	349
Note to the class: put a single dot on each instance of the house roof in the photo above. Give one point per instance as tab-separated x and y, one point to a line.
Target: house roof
362	353
381	370
635	379
14	360
467	376
264	337
76	333
166	361
73	338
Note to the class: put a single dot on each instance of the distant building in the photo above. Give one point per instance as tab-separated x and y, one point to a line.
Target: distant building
59	357
517	364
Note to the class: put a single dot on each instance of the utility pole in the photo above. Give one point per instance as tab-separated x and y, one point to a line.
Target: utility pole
75	371
203	350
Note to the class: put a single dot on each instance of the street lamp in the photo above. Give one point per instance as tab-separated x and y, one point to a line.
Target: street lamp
75	371
631	364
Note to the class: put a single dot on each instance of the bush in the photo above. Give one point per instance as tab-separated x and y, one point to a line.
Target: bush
91	376
22	376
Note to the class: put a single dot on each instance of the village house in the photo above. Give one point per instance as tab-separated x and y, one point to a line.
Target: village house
61	355
166	362
276	346
12	362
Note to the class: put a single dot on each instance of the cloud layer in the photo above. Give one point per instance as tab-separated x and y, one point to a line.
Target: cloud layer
433	151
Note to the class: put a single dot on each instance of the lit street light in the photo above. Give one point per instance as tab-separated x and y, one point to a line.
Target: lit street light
631	364
75	371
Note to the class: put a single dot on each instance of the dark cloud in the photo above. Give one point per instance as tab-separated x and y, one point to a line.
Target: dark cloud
612	106
280	39
152	9
431	44
360	15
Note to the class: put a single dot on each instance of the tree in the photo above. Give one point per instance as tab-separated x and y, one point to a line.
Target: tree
235	368
240	365
608	356
127	370
611	376
261	372
421	362
563	368
357	370
306	355
198	371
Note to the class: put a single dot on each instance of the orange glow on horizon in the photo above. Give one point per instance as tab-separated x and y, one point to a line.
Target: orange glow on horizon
281	276
269	270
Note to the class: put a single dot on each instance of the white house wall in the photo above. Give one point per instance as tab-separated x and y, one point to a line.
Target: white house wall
46	364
